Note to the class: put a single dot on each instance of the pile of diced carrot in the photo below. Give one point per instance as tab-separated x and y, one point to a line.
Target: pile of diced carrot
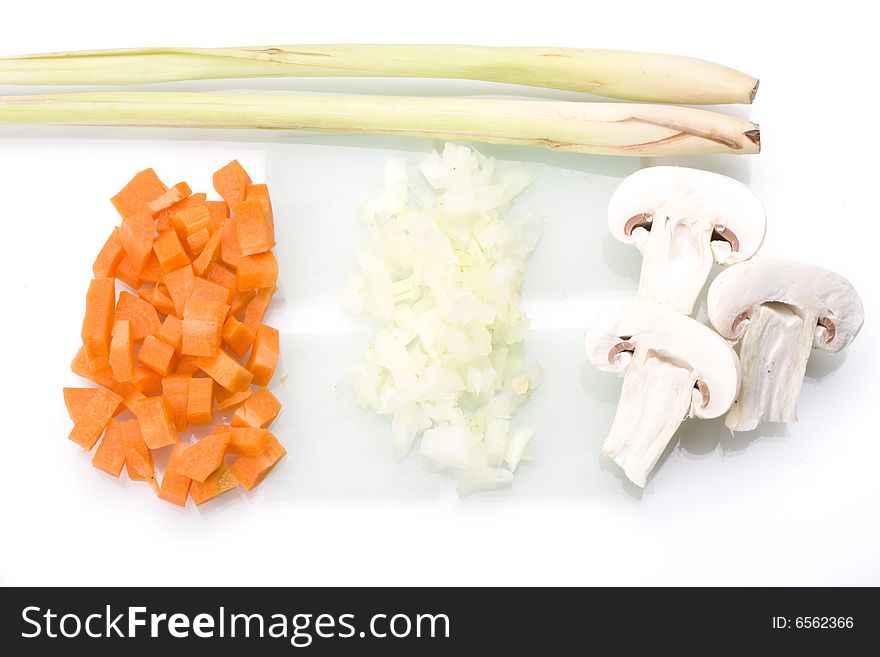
187	345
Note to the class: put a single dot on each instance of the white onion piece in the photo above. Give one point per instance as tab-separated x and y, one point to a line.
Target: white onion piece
442	267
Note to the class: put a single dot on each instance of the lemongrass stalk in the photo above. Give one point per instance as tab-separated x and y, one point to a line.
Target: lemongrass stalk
605	128
618	74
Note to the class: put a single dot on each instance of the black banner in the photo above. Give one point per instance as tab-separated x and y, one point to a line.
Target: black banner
424	621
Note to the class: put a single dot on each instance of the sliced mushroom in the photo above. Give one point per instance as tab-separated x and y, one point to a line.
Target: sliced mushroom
681	219
673	368
780	310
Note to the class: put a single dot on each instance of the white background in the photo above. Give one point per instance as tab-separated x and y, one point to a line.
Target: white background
787	506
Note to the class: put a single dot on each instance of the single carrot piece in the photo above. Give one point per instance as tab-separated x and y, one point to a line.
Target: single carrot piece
256	309
237	336
217	273
98	372
142	316
180	284
219	210
143	188
220	481
76	399
136	234
156	422
196	241
255	272
175	486
210	291
230	253
138	458
152	271
227	401
146	381
256	231
202	327
98	320
248	441
191	220
157	355
122	351
109	256
240	302
93	419
163	217
259	411
260	192
203	458
187	365
126	273
156	297
231	183
209	252
130	395
226	371
175	391
171	196
171	331
170	251
251	470
198	401
264	355
110	455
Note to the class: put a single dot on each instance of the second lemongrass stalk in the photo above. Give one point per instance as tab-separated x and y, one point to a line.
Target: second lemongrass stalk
601	128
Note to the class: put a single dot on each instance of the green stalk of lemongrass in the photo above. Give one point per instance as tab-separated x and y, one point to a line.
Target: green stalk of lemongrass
618	74
605	128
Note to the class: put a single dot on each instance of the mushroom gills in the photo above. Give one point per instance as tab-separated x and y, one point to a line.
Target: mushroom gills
677	257
657	395
773	353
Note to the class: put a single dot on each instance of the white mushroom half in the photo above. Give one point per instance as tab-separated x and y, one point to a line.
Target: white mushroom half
681	219
673	367
780	310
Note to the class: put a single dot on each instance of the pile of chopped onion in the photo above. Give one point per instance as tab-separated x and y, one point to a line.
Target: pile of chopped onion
443	268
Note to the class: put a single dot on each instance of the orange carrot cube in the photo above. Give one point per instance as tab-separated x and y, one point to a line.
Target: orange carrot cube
109	256
180	285
136	234
226	371
258	411
256	232
220	481
143	188
203	458
98	320
138	458
199	400
251	470
264	355
175	486
171	196
156	422
170	251
255	272
171	331
231	183
237	336
157	355
141	315
122	351
110	455
175	390
93	419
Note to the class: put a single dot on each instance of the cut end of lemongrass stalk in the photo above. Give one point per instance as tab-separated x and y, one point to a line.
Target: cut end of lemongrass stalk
625	75
600	128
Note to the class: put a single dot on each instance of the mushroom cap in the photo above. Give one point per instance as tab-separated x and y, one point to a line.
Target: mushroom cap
641	325
684	193
812	291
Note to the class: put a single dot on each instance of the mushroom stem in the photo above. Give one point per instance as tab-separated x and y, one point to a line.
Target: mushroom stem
656	396
774	352
677	257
